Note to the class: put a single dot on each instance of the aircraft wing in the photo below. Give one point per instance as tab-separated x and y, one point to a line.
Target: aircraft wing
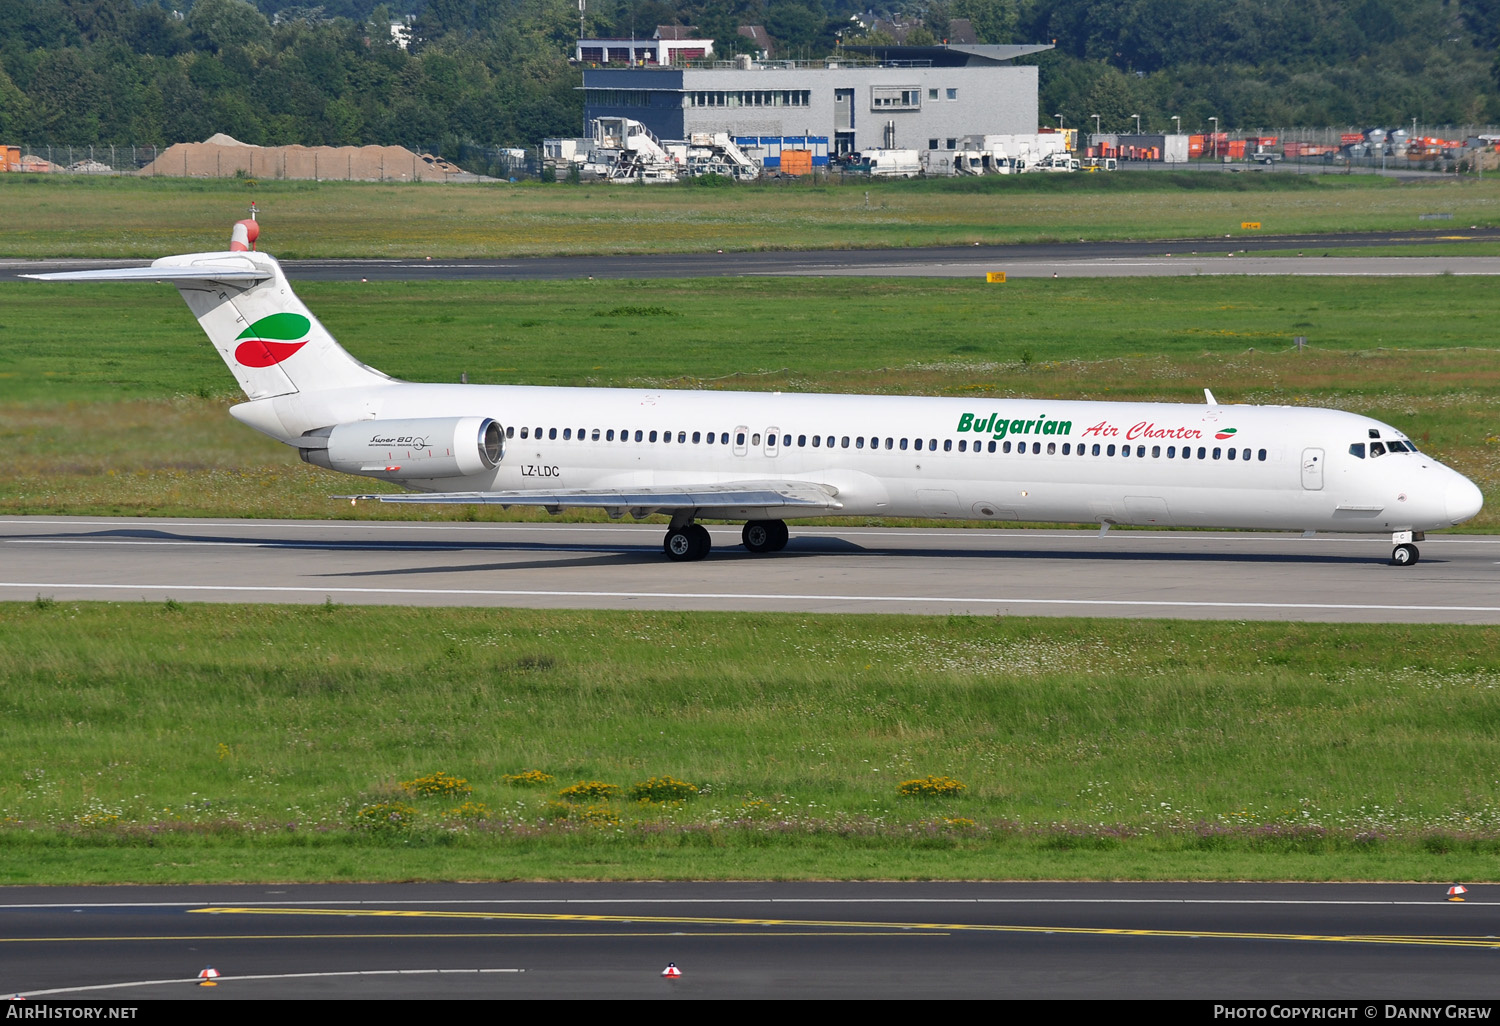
642	502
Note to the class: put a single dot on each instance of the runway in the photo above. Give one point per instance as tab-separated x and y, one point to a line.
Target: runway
1217	942
1183	575
1166	257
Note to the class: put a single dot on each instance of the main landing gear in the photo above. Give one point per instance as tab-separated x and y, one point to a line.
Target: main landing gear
1405	553
765	535
687	541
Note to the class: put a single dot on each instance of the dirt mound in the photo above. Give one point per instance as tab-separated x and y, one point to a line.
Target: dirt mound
224	157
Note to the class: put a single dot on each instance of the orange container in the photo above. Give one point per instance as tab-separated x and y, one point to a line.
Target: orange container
796	162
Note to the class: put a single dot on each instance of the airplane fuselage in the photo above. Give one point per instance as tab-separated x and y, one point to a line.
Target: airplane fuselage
1163	464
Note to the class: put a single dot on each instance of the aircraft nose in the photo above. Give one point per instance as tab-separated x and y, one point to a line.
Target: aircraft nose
1463	500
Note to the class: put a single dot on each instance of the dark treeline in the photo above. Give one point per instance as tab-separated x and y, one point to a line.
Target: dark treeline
496	72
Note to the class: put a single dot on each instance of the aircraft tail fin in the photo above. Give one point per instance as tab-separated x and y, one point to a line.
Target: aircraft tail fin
270	342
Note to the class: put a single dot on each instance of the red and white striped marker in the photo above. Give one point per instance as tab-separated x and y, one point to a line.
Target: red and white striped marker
671	971
1457	892
207	977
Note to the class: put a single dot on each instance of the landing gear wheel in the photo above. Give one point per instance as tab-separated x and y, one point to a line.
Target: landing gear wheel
765	535
687	543
1404	555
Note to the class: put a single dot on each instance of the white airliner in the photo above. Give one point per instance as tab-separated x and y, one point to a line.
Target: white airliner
764	457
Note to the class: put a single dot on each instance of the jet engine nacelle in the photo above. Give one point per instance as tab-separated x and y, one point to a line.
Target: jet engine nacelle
400	450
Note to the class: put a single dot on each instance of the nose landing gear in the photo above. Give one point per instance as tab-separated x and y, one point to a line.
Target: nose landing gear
1404	553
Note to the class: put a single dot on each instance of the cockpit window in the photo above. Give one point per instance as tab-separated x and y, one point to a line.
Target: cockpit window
1357	450
1373	433
1377	449
1395	446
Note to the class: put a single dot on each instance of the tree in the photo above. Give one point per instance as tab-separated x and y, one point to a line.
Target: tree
216	24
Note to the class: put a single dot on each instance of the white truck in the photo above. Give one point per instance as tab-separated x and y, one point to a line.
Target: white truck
888	163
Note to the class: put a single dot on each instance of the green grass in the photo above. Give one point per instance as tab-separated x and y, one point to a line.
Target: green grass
111	401
193	742
58	216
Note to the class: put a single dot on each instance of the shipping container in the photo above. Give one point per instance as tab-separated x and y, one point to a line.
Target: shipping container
796	162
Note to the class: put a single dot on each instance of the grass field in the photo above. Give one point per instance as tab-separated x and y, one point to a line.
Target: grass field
112	402
58	216
183	742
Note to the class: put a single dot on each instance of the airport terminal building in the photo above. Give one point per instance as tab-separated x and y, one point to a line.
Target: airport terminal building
913	97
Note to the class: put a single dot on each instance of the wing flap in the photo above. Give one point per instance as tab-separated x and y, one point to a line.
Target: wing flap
639	502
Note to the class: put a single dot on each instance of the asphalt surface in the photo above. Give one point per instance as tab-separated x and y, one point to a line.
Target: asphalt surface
1071	259
1194	575
1364	943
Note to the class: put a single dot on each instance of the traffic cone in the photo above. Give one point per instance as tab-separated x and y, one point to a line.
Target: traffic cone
671	971
207	977
1457	892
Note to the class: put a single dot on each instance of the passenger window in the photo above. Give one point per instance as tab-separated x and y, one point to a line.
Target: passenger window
1261	455
771	441
932	444
1005	447
992	446
947	445
594	435
1377	449
1245	455
709	438
1067	449
817	441
653	436
1109	452
609	436
1096	448
890	443
1217	452
682	437
844	444
696	436
903	445
918	445
552	433
524	432
1231	454
963	445
1051	448
638	435
1125	451
1202	453
1156	452
1171	452
510	432
859	443
567	434
724	438
755	438
801	441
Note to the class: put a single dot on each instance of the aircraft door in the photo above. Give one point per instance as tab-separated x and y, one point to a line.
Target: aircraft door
741	434
773	436
1312	469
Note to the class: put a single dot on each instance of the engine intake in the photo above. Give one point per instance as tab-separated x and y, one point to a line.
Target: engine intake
402	450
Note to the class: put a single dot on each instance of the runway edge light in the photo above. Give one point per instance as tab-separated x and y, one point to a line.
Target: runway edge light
1457	892
671	972
207	977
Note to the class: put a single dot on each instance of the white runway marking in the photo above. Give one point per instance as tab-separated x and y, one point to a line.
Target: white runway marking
336	902
747	597
262	976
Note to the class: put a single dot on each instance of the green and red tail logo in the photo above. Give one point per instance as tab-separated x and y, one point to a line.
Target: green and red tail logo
272	339
1226	433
